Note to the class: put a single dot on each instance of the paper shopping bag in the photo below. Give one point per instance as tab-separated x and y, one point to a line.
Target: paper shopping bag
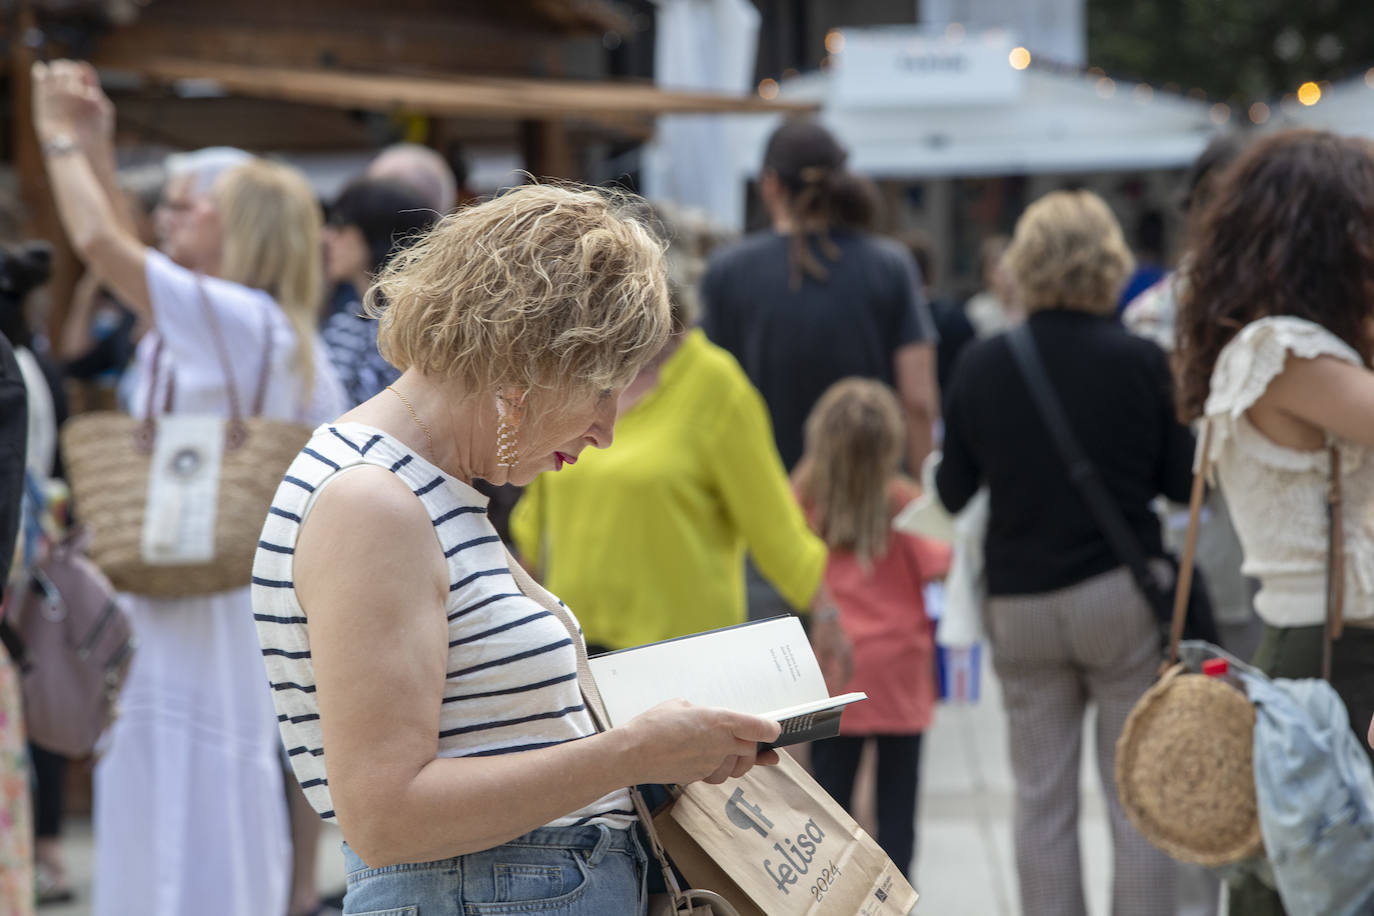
773	843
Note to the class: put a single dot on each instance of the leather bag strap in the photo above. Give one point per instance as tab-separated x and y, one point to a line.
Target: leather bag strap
591	695
1333	624
1082	472
221	350
1185	565
1335	563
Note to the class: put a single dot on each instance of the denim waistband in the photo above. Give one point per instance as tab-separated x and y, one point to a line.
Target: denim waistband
597	839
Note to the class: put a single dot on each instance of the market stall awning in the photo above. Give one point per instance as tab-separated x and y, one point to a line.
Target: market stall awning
1056	123
451	95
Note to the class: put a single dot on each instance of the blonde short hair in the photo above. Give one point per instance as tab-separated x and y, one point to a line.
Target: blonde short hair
1068	252
551	287
271	223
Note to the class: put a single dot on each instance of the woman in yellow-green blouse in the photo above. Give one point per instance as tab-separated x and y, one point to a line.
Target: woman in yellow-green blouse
646	539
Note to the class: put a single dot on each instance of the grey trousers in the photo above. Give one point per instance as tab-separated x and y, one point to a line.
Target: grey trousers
1054	652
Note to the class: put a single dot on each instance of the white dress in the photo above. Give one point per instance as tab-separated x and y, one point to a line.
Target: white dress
190	809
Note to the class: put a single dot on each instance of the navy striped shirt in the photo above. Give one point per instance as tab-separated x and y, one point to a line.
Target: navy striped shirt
512	669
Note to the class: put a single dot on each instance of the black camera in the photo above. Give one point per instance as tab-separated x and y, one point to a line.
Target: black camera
24	268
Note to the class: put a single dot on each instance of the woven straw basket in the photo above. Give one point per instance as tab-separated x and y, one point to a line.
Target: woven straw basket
1185	770
108	456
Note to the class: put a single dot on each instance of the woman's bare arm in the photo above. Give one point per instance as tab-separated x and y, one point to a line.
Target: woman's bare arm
374	595
68	118
1316	396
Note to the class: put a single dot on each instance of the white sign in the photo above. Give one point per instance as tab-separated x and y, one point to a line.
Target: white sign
900	67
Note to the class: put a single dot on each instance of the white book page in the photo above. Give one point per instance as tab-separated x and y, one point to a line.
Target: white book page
754	668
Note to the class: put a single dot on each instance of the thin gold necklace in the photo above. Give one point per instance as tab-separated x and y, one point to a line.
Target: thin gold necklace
424	427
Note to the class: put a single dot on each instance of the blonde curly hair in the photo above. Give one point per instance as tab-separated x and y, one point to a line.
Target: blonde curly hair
1068	252
547	287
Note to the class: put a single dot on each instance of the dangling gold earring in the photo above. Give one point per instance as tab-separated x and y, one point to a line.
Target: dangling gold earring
507	429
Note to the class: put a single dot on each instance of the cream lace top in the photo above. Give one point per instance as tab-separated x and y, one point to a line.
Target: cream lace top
1277	495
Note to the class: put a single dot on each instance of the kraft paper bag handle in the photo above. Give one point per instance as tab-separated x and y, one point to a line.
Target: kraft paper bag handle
711	903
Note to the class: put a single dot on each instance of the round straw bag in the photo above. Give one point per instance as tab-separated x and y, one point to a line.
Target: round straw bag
1185	761
1185	770
109	460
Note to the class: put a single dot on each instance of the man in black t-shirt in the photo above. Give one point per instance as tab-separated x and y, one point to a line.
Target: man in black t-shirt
815	299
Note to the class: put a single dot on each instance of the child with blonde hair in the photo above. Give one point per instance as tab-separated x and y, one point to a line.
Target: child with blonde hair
850	485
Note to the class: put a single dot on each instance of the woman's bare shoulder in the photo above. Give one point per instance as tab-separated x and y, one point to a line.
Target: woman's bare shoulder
365	521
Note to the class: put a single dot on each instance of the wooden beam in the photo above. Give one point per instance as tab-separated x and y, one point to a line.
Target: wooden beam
34	192
253	124
546	149
270	125
457	95
388	46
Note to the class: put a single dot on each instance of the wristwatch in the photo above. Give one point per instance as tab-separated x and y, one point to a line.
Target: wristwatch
60	145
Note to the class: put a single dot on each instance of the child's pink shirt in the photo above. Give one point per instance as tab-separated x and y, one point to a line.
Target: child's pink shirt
884	612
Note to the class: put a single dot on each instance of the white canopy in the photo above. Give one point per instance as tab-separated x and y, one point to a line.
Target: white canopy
1058	123
1346	107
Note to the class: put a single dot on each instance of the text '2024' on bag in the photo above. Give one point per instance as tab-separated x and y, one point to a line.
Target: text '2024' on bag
176	502
771	843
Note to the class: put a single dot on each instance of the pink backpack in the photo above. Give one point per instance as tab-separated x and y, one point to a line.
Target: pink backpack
76	646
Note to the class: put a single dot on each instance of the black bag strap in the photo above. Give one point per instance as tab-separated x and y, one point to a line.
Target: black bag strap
1083	472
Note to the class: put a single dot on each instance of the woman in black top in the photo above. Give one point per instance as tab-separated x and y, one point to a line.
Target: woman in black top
1066	621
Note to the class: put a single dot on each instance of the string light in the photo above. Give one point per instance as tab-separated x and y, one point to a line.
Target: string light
1220	113
1197	93
834	41
1097	71
1106	87
1143	92
768	89
1259	113
1019	58
1369	77
790	72
1309	94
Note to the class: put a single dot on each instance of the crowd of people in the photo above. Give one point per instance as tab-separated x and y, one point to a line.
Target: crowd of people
670	404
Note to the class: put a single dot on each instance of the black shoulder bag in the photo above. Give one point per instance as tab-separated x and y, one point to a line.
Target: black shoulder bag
1199	622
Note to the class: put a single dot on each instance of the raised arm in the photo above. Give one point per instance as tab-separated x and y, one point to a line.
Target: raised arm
74	121
374	594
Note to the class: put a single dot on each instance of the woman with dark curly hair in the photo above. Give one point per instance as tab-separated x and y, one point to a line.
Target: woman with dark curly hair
1274	349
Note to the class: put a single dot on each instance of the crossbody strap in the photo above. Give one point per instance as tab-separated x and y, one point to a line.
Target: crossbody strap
591	695
1335	562
1185	566
1082	471
1113	525
236	434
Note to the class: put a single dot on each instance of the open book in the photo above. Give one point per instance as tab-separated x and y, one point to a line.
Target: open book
765	668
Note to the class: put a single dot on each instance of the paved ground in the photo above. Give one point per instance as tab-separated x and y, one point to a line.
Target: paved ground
965	865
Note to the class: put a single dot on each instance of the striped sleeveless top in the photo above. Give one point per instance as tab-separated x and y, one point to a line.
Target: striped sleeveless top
512	669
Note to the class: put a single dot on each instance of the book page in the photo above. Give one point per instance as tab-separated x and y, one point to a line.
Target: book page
755	668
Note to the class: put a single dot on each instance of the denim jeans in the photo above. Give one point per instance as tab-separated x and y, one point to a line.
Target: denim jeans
567	871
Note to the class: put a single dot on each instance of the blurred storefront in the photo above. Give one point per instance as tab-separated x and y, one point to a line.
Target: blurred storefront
961	129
